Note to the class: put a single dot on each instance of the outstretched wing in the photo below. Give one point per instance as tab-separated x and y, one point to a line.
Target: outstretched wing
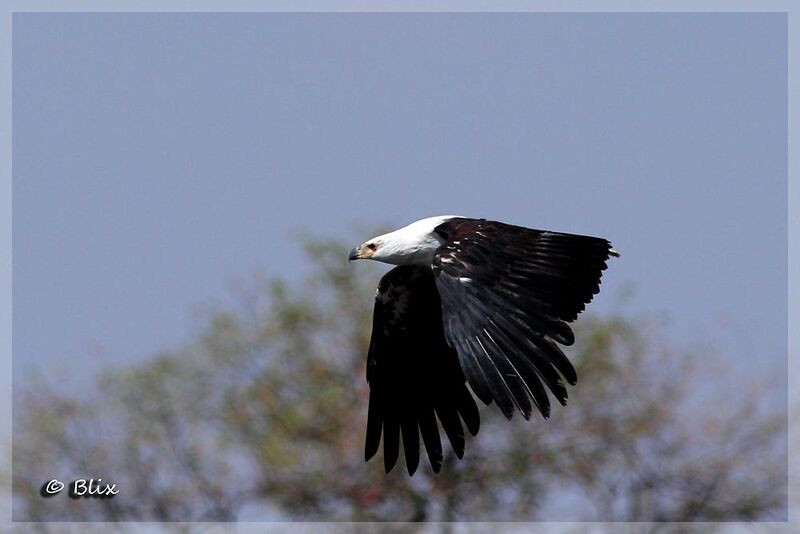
507	294
414	376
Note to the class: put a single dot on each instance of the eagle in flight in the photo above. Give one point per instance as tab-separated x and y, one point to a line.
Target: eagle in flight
470	301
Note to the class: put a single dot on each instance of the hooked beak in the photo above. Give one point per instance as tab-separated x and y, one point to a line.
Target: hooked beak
354	255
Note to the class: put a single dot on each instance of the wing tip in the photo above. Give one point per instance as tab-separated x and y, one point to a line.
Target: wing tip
571	380
388	463
369	452
472	421
412	469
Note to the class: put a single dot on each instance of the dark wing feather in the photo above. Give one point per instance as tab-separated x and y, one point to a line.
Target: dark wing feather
413	374
507	294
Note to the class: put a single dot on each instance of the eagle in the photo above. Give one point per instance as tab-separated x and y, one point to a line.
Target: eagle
470	301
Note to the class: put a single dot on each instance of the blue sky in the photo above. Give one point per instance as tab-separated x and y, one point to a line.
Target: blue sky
157	156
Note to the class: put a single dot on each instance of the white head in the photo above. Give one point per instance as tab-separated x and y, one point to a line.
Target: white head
414	244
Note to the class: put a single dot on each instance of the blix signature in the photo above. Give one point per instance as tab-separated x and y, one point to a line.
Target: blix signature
82	487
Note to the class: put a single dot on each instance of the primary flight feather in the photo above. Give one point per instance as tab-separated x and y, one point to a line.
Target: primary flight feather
470	301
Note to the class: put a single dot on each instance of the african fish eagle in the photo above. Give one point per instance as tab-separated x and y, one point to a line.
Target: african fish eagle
470	301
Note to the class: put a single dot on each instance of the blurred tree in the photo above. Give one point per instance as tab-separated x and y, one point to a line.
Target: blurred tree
263	417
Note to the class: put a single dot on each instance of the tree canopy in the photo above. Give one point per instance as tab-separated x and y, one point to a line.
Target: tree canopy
262	417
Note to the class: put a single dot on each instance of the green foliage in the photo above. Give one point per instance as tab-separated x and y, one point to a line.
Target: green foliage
267	409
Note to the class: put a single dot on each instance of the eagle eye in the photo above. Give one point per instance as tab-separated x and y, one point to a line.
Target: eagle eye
372	246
